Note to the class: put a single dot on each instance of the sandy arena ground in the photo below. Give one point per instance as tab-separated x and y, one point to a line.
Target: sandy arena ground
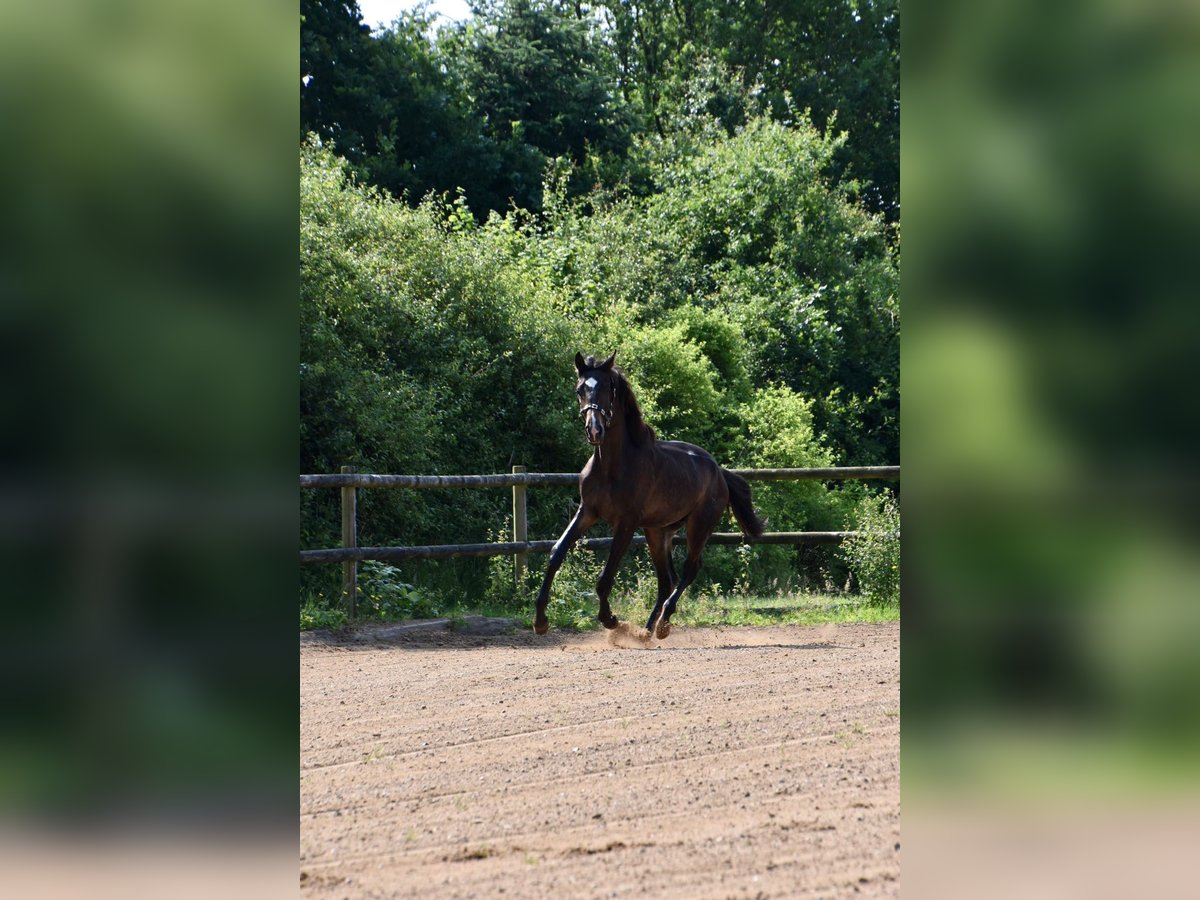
733	762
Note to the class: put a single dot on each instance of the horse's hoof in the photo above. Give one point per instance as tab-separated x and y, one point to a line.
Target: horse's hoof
664	629
610	623
541	627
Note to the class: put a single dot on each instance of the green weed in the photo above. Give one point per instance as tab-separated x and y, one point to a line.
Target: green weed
316	614
874	556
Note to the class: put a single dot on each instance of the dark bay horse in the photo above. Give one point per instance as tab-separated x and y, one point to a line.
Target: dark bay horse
635	481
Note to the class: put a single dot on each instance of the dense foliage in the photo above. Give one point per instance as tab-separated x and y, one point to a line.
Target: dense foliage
747	283
484	105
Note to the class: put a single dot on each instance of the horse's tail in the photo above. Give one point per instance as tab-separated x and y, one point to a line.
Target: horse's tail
743	508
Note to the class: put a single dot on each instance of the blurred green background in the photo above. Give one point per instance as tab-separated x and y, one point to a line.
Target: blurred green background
1050	199
147	497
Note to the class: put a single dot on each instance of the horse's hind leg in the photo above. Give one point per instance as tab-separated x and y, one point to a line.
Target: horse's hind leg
700	527
658	541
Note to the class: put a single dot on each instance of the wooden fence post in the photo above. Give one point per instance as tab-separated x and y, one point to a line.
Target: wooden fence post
520	529
350	539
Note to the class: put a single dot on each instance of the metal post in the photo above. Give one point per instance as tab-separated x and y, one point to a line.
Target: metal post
520	528
350	539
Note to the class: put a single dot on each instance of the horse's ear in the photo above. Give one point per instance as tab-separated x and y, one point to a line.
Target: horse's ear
608	363
579	364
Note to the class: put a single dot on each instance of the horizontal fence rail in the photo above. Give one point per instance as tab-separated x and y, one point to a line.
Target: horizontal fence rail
350	554
346	479
512	548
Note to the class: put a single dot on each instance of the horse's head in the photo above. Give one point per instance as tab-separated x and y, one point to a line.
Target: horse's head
597	389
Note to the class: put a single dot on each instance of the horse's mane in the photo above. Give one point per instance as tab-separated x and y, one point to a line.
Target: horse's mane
639	432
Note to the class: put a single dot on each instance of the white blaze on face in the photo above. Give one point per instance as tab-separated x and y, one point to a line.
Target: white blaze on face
591	383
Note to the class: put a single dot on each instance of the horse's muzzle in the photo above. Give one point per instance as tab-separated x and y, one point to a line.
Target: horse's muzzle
593	427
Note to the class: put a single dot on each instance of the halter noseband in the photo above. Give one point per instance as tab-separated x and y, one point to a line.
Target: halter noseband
605	414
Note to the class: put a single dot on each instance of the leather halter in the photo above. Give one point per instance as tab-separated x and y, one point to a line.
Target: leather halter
605	415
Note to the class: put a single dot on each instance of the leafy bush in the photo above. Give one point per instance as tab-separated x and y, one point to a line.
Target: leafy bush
777	432
874	556
759	230
383	595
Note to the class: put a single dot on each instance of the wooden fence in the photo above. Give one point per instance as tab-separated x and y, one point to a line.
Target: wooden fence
350	554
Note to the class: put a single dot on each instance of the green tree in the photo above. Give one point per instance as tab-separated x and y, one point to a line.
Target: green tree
541	79
486	106
823	56
388	105
335	64
830	57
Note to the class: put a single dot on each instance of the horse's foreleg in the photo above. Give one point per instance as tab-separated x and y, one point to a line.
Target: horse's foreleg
582	522
622	536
